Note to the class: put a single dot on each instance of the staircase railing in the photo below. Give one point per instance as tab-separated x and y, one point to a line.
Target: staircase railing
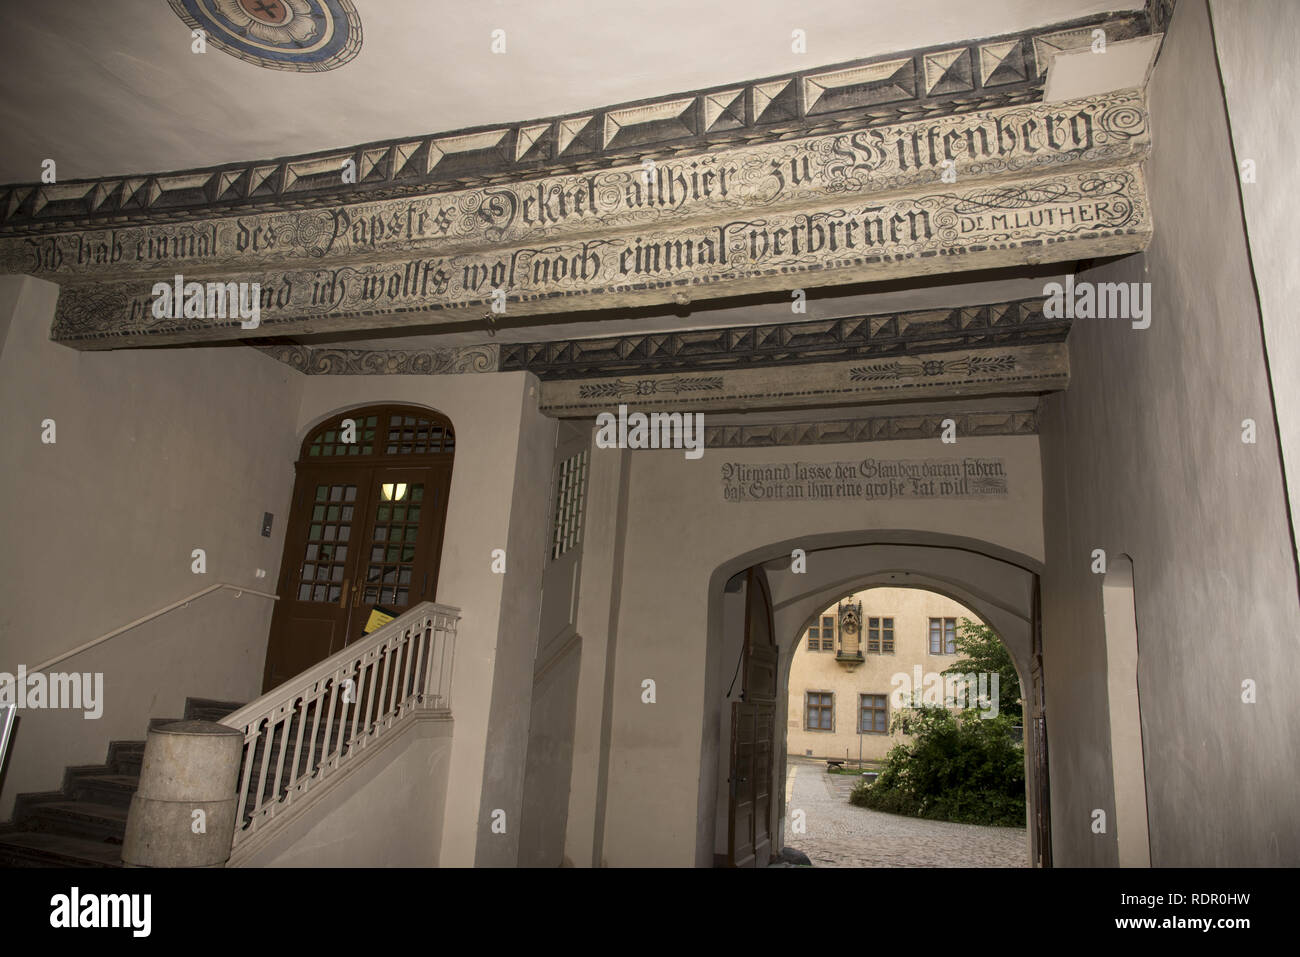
310	729
179	603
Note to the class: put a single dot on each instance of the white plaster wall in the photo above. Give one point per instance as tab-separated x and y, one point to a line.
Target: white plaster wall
549	761
1256	41
158	452
1143	456
597	621
678	531
386	814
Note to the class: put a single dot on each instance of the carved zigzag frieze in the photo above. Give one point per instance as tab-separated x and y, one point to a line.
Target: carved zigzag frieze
928	83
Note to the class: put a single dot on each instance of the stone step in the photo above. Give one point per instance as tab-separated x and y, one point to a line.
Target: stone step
103	788
39	849
25	805
85	819
125	757
209	709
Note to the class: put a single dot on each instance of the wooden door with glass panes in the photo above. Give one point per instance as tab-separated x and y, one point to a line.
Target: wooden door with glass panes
364	533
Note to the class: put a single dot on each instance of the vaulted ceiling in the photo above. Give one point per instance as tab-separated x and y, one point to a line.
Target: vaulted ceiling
111	87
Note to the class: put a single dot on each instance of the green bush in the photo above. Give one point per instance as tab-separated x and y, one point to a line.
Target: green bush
957	767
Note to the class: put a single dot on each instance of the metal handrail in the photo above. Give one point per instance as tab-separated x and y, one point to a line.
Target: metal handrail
238	589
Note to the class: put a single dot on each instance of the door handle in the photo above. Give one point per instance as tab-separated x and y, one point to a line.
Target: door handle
343	596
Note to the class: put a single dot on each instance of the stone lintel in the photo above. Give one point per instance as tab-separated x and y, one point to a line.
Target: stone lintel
944	228
1025	369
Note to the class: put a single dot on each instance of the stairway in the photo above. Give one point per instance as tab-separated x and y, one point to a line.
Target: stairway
83	825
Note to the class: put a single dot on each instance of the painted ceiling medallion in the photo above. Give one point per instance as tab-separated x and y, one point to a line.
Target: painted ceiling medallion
307	36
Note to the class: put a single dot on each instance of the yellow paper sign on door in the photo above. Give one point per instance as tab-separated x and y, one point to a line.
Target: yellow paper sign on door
378	618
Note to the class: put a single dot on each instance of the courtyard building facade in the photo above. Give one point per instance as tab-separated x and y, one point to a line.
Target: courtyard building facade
864	658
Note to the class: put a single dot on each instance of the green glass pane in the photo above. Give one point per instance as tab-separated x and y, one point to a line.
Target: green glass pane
383	513
334	513
322	492
411	532
413	514
417	493
399	513
393	551
318	513
315	531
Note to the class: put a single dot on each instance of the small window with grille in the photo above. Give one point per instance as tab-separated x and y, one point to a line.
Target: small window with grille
570	486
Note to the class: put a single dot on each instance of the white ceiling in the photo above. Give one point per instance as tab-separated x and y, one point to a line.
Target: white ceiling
108	87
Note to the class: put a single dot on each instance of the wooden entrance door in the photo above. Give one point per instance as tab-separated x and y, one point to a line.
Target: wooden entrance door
753	734
365	532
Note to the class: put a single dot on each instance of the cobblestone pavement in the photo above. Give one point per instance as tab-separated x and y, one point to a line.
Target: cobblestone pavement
840	834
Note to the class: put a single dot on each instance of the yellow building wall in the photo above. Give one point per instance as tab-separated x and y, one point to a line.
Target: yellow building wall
819	671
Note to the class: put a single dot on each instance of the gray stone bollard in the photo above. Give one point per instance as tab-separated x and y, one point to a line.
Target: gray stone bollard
189	767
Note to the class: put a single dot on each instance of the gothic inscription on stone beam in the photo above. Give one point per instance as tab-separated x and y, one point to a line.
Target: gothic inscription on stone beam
1031	140
868	479
1097	212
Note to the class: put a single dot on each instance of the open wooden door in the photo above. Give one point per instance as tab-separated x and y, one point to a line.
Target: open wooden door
753	734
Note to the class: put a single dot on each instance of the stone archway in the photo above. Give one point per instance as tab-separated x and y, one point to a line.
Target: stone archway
1000	587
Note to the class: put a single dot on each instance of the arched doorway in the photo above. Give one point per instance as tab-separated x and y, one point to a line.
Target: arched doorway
999	586
364	531
858	665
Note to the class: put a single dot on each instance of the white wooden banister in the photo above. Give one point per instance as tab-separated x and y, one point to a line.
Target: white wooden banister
303	735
